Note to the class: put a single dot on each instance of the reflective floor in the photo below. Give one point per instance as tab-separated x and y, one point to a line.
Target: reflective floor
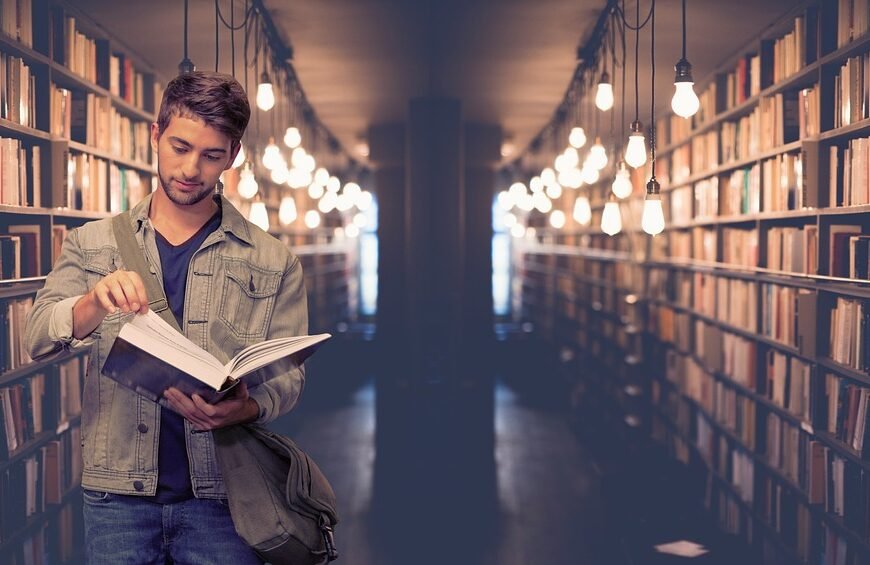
552	502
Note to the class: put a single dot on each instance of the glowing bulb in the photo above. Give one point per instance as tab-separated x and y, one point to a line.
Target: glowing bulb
582	210
541	202
525	202
240	157
548	175
292	137
308	163
321	176
653	219
557	219
505	200
509	220
360	220
315	190
611	221
280	175
333	184
685	102
297	178
561	163
352	189
577	137
554	190
621	186
287	211
604	94
536	184
518	230
572	158
312	219
572	178
352	230
517	190
328	203
343	202
265	93
531	232
635	151
590	174
247	183
259	216
364	200
598	155
272	155
298	157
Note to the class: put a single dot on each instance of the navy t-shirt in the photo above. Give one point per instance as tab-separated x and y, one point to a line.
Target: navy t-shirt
173	465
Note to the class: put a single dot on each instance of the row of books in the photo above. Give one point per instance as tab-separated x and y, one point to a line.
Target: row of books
30	485
20	173
79	52
13	314
91	119
852	91
739	246
849	181
790	50
853	20
96	185
125	81
793	249
788	383
850	333
17	91
781	183
39	403
16	20
740	192
743	82
844	413
705	151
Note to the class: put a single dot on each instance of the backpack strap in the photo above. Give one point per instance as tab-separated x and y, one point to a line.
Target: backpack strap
134	259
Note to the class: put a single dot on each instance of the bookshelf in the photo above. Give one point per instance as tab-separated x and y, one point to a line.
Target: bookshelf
742	330
74	122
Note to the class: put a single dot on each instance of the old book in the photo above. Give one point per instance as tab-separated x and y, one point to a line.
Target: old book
150	356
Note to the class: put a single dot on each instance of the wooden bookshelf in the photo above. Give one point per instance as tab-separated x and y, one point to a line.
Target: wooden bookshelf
684	298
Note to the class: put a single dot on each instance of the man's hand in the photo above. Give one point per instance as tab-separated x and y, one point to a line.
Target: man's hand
237	409
121	290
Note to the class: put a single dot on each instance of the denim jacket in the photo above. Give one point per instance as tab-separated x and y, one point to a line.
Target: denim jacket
243	286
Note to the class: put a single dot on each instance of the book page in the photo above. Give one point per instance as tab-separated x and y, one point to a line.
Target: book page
152	334
261	354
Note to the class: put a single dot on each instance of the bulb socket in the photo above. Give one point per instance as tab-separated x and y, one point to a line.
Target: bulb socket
264	78
653	189
683	70
637	127
186	66
605	78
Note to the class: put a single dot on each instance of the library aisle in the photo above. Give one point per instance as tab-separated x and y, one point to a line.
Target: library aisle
559	500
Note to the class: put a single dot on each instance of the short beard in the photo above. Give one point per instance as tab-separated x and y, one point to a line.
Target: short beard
183	198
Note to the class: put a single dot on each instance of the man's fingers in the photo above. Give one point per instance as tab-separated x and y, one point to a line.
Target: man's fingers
131	295
136	280
103	298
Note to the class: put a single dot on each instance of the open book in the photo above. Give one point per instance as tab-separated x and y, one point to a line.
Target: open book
150	356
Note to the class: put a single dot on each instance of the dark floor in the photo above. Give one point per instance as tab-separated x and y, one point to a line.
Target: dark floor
557	500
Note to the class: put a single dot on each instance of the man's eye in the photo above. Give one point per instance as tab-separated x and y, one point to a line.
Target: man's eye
179	150
212	158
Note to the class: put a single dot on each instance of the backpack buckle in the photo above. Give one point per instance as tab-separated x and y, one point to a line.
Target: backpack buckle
331	550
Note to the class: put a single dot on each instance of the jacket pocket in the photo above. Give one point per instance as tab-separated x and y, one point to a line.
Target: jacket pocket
248	298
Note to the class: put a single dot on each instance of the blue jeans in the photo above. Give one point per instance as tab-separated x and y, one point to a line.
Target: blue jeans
128	529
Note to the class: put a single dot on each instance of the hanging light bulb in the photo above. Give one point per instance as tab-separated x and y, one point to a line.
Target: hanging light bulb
360	220
598	155
287	211
577	137
353	190
312	219
517	190
536	184
343	202
352	230
240	157
653	219
571	157
685	102
518	230
364	200
247	183
590	174
635	151
541	202
548	175
554	190
265	93
272	155
604	94
259	216
315	190
333	184
328	203
298	157
280	174
509	220
572	178
292	137
557	219
621	186
321	176
611	221
582	210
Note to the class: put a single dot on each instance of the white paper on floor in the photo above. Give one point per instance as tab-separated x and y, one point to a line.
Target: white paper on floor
683	548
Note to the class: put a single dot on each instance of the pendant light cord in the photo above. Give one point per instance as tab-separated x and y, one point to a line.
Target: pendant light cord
684	29
652	141
185	29
636	63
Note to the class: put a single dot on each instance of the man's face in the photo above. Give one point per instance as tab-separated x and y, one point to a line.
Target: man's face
190	159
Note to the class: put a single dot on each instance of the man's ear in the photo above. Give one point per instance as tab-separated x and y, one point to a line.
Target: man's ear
233	152
155	136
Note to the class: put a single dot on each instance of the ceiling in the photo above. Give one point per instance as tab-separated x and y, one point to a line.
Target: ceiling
509	61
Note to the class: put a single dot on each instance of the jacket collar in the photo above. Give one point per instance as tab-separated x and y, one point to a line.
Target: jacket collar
231	219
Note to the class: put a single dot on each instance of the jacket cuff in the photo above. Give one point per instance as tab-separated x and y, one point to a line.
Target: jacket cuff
60	325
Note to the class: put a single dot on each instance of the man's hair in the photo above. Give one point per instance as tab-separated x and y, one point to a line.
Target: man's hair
214	98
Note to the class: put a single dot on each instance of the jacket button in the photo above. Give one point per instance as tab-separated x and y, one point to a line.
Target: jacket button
142	428
138	485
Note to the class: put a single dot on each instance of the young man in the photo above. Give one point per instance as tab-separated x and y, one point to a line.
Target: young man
152	487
